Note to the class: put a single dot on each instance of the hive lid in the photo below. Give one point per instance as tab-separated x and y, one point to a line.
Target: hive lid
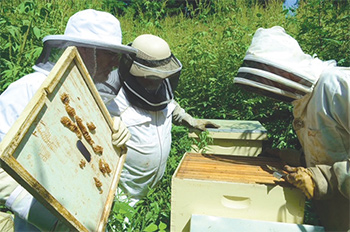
235	129
42	154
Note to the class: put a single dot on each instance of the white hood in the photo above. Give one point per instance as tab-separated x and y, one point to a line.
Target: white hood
275	63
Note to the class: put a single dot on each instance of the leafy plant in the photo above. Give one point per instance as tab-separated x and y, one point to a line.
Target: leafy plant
210	38
201	144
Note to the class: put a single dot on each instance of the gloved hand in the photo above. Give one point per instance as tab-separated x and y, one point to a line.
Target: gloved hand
289	156
202	124
180	117
302	179
121	133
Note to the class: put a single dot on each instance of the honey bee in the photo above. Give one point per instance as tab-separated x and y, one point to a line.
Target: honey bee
82	163
98	149
98	184
108	170
91	126
70	110
84	130
65	98
104	167
101	166
71	126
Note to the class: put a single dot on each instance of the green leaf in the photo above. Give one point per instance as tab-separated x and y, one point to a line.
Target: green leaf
162	226
150	228
36	32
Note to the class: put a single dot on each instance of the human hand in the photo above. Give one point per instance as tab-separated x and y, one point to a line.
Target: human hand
301	178
202	124
121	133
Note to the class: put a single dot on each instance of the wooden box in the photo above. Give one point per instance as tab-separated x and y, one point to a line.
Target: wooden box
234	137
205	223
233	187
62	169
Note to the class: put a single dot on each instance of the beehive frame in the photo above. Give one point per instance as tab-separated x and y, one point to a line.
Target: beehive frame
74	176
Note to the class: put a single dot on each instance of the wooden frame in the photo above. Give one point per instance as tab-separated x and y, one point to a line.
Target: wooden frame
67	172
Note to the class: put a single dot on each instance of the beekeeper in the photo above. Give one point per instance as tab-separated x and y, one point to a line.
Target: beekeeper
276	66
97	36
145	103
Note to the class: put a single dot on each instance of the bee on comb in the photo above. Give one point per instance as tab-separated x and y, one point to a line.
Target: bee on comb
71	126
65	98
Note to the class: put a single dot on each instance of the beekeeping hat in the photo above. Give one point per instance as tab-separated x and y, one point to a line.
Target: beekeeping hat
151	75
86	28
276	66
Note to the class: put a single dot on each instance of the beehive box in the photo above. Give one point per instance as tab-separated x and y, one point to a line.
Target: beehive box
234	187
205	223
234	137
60	167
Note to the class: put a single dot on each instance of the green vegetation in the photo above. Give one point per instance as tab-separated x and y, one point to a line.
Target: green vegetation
210	38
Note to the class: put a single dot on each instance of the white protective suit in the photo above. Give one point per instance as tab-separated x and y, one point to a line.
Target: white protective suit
276	66
88	28
14	195
322	123
150	142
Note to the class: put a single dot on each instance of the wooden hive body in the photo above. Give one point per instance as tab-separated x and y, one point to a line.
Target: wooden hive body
234	137
234	187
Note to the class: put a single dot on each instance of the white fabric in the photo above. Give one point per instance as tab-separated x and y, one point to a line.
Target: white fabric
276	46
12	102
275	78
322	123
148	147
35	216
16	97
267	88
7	186
326	116
92	27
277	50
19	201
88	26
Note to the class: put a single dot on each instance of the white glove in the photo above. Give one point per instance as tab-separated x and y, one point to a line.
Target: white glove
202	124
121	133
180	117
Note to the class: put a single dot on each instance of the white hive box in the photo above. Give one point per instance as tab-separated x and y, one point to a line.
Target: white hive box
204	223
234	137
41	152
233	187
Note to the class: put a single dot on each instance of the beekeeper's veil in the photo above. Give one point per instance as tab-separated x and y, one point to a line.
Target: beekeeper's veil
89	29
275	66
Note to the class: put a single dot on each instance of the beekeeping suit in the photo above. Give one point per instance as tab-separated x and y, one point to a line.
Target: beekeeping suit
276	66
97	36
144	87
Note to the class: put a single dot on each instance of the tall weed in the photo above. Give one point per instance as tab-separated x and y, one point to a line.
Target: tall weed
210	38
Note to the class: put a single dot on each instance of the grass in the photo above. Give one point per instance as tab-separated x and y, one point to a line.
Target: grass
211	42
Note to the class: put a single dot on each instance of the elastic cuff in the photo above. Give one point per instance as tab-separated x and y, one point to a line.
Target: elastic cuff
19	202
322	188
13	196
